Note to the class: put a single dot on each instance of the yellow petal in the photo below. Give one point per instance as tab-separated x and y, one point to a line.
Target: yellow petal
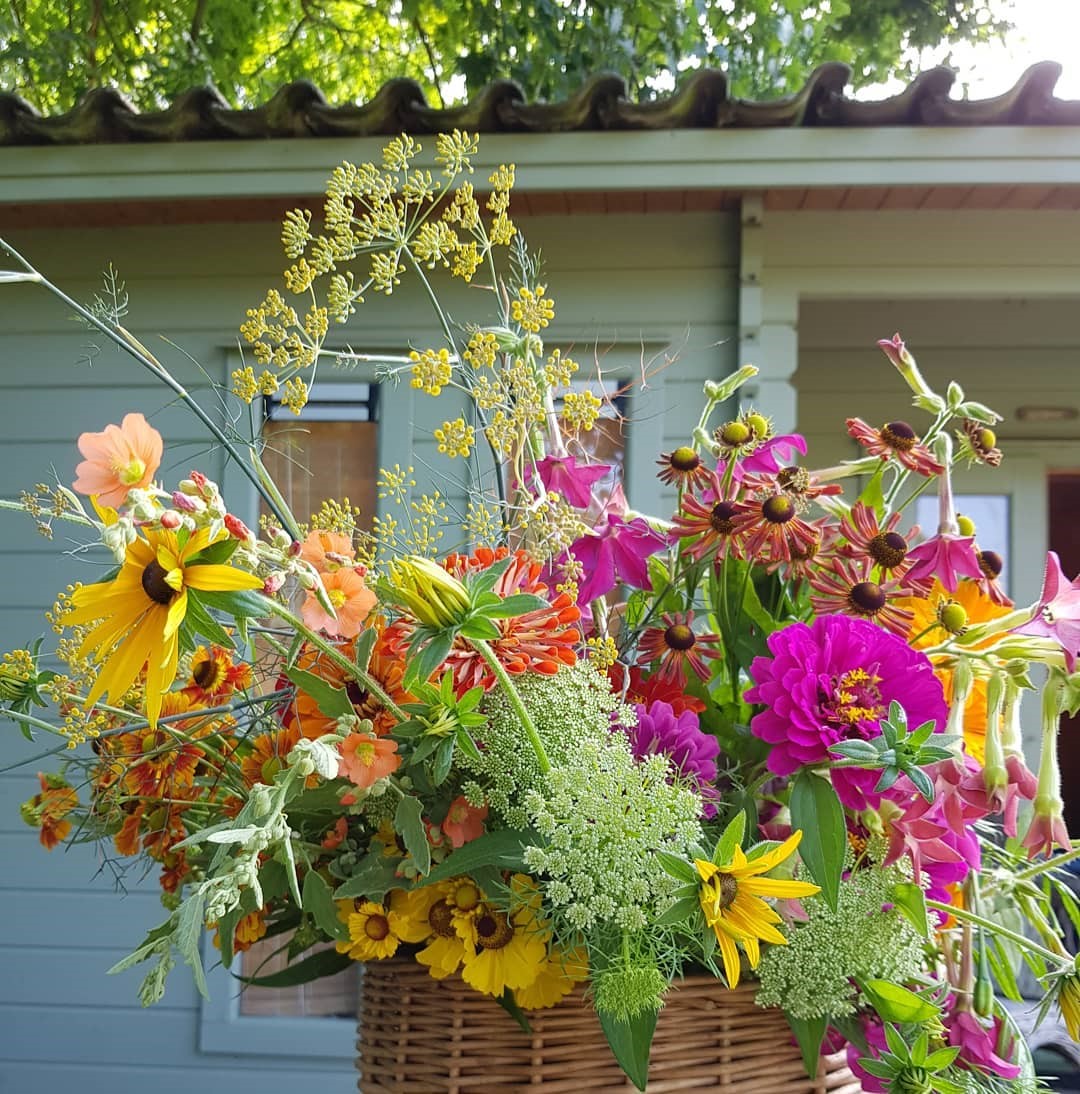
730	953
767	886
773	858
213	577
177	611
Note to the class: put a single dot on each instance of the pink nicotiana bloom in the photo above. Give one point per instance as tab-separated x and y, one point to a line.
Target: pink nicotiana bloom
561	475
1057	614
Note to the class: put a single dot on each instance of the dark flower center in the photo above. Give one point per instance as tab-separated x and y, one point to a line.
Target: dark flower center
778	509
899	435
154	584
991	564
363	703
796	480
493	931
867	598
205	672
441	919
679	637
729	889
377	927
887	549
720	517
685	459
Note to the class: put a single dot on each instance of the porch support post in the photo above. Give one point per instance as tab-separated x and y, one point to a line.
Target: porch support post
768	324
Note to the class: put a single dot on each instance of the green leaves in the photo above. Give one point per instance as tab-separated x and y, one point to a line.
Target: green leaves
631	1043
911	901
896	1004
810	1033
313	967
503	848
332	702
318	902
408	822
897	752
816	810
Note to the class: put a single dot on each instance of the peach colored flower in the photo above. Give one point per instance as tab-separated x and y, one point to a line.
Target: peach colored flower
464	822
122	458
366	758
352	601
327	550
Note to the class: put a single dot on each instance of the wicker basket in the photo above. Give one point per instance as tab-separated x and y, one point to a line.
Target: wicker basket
425	1036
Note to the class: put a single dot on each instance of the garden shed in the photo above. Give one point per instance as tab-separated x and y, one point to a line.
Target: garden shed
680	239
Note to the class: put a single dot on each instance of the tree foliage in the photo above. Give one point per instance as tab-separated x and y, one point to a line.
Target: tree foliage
52	53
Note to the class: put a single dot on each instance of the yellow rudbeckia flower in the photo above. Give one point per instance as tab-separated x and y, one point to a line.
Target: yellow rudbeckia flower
139	612
730	897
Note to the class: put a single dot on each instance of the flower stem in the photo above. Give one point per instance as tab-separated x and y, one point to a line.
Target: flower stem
1047	865
996	928
513	695
350	668
131	345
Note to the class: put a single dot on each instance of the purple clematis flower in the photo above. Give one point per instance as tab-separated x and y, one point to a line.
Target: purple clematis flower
1057	615
615	551
561	475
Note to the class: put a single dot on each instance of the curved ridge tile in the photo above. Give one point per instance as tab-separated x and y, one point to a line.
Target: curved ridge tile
393	109
909	107
1025	103
699	103
804	107
194	115
595	106
493	110
17	117
287	114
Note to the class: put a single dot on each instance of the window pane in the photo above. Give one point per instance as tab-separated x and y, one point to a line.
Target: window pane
990	512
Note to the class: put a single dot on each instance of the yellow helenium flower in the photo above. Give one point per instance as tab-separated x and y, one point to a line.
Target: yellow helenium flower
730	897
139	612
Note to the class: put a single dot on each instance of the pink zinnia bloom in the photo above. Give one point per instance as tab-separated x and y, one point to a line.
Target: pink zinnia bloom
366	758
464	822
895	439
122	458
1057	614
352	601
562	475
675	645
832	681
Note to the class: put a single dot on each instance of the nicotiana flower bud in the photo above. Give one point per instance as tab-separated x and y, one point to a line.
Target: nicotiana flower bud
186	503
273	584
716	391
171	520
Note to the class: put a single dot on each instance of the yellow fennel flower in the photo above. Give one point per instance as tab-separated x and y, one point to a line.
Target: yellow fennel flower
731	898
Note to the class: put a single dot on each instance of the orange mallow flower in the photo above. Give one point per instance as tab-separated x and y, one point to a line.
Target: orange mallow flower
352	601
366	758
122	458
386	667
48	809
215	676
327	551
464	822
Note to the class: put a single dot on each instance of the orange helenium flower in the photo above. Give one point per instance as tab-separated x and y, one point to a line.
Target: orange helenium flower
122	458
366	758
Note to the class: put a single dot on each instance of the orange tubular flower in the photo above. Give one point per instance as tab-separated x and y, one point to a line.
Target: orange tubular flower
539	641
48	809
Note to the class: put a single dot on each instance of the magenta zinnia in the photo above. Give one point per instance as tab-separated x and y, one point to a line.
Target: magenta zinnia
832	681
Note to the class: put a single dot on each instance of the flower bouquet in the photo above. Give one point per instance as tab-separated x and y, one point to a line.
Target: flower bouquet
772	737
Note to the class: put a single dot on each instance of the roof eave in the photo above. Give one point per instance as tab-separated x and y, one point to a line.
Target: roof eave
697	159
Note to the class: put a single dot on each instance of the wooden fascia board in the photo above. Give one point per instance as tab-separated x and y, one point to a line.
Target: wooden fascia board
672	159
